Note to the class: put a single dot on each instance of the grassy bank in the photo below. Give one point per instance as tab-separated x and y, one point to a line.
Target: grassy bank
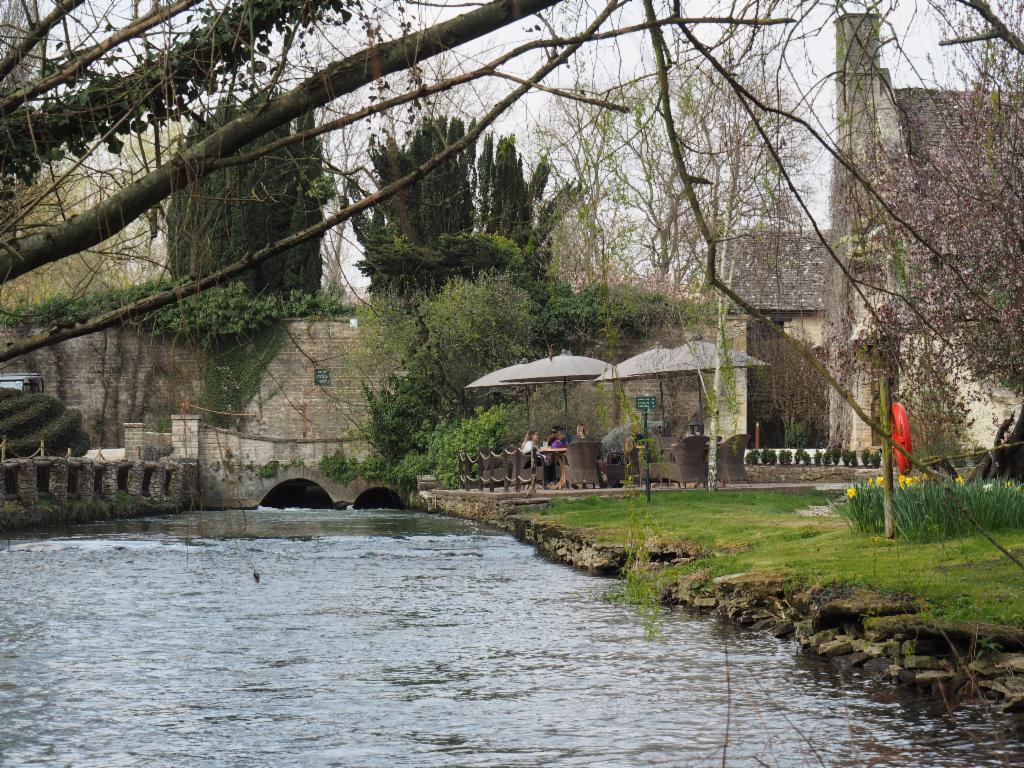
963	579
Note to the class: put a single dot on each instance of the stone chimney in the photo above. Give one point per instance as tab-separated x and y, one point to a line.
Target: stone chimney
865	109
867	125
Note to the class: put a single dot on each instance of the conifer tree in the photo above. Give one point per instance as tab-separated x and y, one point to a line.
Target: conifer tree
238	210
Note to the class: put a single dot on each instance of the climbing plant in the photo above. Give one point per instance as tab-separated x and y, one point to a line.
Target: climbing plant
233	372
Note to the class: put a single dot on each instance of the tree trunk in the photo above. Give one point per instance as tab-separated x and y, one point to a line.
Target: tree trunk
1006	459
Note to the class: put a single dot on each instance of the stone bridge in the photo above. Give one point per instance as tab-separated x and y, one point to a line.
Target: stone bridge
243	471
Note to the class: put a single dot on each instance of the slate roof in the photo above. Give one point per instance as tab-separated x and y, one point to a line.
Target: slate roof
781	271
932	119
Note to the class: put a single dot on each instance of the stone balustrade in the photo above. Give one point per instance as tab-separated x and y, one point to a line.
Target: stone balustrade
52	490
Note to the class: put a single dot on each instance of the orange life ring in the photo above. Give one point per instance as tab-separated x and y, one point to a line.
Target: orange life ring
901	436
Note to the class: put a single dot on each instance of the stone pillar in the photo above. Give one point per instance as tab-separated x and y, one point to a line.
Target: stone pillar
59	480
27	493
135	473
134	440
156	483
109	484
86	475
185	436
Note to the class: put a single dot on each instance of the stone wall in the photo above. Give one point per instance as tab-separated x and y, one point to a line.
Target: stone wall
291	403
114	376
46	491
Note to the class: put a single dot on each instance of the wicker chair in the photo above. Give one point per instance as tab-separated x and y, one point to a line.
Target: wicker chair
691	460
499	475
528	470
465	470
731	465
663	469
582	469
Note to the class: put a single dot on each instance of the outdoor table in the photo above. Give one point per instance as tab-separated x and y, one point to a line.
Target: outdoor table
562	460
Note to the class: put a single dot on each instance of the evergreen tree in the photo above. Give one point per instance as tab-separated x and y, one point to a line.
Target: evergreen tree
508	205
463	218
241	209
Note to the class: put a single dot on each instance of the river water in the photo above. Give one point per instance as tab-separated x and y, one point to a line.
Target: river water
386	638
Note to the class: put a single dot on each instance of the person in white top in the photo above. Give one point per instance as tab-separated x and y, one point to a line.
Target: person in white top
531	455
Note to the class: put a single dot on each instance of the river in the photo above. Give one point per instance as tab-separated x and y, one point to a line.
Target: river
387	638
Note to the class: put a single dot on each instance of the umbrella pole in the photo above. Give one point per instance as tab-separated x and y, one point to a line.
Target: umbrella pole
565	403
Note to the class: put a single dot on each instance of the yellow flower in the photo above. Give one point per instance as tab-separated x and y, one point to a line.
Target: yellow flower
851	492
959	480
902	481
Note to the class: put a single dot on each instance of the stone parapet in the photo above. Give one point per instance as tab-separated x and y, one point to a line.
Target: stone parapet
45	491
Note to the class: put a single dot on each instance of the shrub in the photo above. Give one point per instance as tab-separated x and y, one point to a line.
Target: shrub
876	459
769	456
753	456
489	428
785	457
818	458
802	457
849	458
28	418
270	469
339	468
865	457
798	435
926	511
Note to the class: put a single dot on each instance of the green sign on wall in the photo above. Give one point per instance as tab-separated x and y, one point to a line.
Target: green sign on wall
321	377
646	402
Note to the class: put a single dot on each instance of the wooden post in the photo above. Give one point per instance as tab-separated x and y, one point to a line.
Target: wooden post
884	418
757	434
3	449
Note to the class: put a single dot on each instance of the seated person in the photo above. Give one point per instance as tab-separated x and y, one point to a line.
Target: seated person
531	456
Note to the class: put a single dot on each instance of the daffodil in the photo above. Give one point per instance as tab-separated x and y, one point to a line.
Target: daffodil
851	492
959	480
987	487
902	481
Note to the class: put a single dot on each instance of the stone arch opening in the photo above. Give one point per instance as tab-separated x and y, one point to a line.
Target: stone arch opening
298	493
378	498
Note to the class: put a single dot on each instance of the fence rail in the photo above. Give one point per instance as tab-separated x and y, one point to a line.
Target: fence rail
508	469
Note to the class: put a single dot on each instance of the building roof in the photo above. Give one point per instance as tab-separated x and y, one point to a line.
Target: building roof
932	119
779	271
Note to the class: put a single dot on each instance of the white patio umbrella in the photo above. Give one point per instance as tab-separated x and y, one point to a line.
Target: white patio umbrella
658	362
562	368
497	379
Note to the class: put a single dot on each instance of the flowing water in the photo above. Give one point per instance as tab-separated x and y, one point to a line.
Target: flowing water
385	638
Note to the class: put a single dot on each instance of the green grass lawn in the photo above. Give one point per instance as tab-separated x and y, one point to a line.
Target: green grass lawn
962	579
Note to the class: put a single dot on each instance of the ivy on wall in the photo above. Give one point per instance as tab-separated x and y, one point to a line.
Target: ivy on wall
227	310
233	372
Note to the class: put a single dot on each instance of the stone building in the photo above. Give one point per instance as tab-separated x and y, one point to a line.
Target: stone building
802	284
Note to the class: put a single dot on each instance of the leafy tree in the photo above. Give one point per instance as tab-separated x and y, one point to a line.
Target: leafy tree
447	341
238	210
402	238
